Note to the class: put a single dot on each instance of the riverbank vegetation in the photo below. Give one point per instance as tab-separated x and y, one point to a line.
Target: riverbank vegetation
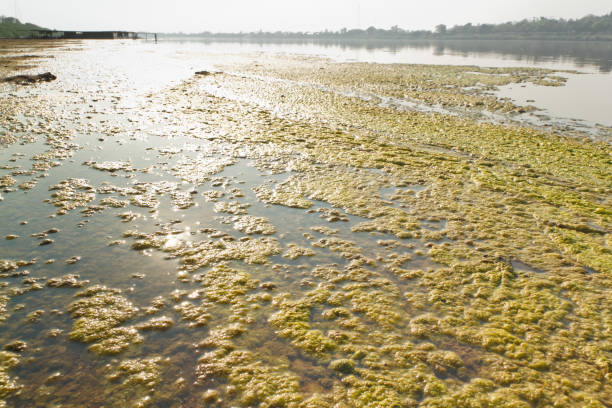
586	28
11	27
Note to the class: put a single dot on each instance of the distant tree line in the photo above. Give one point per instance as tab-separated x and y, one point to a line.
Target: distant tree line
587	28
10	27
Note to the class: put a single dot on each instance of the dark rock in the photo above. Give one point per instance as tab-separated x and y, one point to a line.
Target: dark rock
30	79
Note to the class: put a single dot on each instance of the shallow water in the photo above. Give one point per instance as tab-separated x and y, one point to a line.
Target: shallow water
299	244
584	97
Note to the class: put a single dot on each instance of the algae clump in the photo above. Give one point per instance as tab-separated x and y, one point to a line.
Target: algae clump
8	385
99	312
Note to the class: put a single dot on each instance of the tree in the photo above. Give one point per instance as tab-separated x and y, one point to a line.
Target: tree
441	29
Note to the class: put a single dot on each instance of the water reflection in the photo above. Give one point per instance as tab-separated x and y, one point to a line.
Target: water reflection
579	54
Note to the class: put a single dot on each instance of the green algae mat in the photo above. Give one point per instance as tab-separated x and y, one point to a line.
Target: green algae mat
295	232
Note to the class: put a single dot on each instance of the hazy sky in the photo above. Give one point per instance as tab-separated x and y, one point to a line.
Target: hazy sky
287	15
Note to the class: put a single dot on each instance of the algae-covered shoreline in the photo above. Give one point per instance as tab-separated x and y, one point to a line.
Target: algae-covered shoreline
290	231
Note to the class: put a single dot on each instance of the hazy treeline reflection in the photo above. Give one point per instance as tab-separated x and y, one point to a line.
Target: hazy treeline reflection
581	53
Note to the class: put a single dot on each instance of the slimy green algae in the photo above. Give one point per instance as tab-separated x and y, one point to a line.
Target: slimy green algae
110	166
135	381
72	193
322	229
253	225
232	207
113	202
223	284
491	195
7	181
252	251
447	86
3	302
8	385
157	323
100	313
200	170
195	315
292	321
473	270
294	251
255	383
259	384
283	194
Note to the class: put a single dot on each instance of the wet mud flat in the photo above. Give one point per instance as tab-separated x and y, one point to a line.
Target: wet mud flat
289	231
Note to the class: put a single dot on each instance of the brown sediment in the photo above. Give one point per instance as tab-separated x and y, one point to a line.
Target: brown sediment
16	55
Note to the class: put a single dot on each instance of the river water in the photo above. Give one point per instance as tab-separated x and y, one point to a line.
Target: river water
152	184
